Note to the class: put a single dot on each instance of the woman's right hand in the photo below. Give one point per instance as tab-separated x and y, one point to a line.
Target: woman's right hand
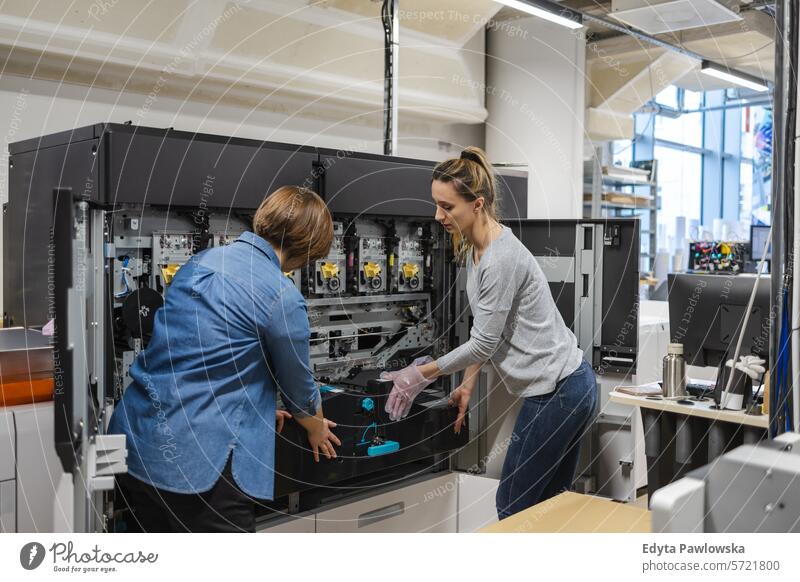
319	433
460	398
322	439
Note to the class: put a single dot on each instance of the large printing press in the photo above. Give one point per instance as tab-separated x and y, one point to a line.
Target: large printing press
103	217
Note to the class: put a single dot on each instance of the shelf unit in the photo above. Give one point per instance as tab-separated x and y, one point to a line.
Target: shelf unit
615	191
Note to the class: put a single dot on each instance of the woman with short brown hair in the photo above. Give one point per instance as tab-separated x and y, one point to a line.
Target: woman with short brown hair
200	413
296	221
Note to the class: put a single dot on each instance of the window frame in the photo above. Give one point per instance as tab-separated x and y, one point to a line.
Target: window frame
720	150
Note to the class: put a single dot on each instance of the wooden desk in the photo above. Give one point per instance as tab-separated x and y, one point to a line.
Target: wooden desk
702	409
679	438
575	513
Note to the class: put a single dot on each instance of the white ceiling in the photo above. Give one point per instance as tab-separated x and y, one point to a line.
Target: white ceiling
624	72
327	51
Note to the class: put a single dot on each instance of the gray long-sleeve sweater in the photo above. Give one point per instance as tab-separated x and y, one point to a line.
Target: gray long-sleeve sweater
516	325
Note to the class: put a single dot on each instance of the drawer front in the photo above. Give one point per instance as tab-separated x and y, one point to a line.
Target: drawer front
427	506
8	507
614	473
305	524
476	502
38	468
7	435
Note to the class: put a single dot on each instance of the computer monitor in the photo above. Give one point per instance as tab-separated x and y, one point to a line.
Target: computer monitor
706	313
758	238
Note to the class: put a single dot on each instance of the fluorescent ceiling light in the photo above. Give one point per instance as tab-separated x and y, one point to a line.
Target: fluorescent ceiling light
564	17
736	78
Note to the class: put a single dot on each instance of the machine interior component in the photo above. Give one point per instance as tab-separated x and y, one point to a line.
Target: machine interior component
388	291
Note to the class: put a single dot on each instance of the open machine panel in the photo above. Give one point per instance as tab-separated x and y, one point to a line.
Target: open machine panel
130	205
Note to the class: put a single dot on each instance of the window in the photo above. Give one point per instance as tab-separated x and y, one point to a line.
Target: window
622	152
668	97
756	165
714	159
679	180
746	192
677	146
678	127
685	129
692	100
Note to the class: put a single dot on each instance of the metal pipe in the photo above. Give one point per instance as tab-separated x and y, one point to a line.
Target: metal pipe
789	135
777	219
795	342
614	25
795	319
756	5
730	105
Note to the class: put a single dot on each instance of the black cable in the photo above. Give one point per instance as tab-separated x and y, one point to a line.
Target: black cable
388	66
787	130
759	49
791	126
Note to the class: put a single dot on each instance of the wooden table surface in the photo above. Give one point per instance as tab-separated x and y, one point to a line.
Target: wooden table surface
575	513
700	408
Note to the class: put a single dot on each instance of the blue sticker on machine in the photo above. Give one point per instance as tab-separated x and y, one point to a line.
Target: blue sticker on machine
383	449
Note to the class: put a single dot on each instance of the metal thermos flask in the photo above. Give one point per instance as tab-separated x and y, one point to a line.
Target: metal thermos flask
674	378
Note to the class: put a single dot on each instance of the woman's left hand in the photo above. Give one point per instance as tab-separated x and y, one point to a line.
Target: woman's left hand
280	418
460	397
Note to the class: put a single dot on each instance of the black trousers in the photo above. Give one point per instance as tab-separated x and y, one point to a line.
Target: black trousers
224	508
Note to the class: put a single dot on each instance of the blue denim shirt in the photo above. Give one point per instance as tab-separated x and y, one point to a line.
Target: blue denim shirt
233	330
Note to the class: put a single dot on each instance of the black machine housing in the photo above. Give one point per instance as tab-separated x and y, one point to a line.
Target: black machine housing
147	181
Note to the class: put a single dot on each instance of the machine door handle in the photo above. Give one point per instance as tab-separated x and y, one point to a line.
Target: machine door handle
377	515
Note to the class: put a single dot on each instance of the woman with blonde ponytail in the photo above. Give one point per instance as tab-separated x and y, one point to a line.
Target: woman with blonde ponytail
517	331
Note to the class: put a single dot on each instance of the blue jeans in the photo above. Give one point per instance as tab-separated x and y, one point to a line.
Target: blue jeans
545	444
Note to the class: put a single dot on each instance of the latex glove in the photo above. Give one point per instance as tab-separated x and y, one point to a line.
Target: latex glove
753	366
408	383
752	360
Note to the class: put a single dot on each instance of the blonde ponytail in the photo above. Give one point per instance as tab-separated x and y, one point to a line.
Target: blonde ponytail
473	177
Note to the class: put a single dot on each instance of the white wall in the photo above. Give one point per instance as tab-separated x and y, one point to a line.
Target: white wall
35	107
535	99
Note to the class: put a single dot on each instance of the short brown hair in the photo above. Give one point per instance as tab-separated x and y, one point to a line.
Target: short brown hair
296	221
